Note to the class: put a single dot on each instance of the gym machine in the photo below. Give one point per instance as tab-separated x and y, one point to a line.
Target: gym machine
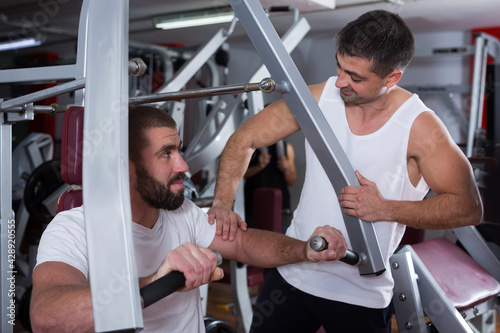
105	164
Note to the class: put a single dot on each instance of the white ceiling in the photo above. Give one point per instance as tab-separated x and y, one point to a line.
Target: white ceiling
26	16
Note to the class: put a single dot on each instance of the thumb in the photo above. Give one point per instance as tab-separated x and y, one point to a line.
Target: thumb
362	180
217	274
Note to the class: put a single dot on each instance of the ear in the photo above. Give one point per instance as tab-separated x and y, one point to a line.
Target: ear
393	78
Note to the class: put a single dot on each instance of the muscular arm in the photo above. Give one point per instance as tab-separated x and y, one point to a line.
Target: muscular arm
448	173
60	291
263	248
434	156
61	300
264	129
273	123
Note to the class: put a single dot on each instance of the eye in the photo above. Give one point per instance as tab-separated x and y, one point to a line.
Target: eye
355	80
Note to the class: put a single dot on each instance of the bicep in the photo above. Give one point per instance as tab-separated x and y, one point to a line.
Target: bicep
440	161
273	123
52	274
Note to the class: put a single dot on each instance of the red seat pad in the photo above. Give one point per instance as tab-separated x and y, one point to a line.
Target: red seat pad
462	279
72	146
70	199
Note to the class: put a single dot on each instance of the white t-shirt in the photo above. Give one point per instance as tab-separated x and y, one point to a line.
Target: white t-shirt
380	157
64	241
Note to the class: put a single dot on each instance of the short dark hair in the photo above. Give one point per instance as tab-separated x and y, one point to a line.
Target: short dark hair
380	36
141	118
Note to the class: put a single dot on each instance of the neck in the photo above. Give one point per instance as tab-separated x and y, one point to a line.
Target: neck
143	214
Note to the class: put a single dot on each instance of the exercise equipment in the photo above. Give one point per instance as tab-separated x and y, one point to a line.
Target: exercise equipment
106	134
213	325
319	244
456	287
43	188
165	285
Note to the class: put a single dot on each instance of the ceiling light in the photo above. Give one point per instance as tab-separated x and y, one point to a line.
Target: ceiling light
20	43
194	19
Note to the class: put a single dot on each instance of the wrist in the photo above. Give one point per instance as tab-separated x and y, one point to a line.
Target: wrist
221	203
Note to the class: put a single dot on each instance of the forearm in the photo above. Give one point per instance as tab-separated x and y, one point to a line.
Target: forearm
268	249
233	163
442	211
63	309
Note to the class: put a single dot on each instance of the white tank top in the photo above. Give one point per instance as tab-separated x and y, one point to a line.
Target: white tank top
380	157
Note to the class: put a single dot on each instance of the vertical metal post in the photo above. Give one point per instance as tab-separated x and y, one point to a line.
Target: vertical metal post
477	95
81	52
312	122
7	229
406	300
108	219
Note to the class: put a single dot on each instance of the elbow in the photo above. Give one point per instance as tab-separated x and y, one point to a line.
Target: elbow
39	322
475	214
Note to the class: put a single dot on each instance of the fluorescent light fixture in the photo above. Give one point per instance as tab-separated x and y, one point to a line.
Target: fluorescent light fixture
193	19
20	43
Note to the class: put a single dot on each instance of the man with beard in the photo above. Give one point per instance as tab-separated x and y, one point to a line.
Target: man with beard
399	148
169	233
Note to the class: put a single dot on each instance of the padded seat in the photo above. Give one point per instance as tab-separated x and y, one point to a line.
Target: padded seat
72	158
462	279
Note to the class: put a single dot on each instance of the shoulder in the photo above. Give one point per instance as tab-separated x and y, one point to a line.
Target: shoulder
72	219
428	123
317	89
428	135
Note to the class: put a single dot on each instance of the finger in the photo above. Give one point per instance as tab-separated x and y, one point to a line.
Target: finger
362	180
211	216
226	227
202	266
242	224
233	229
217	274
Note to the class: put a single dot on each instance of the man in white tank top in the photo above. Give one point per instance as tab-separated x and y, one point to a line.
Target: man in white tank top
399	149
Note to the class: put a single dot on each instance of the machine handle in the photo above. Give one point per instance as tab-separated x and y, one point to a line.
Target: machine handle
165	286
318	244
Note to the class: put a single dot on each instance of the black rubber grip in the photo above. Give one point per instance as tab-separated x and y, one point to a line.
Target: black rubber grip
318	244
279	9
165	286
162	287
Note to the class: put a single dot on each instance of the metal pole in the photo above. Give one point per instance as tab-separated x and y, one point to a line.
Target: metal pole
43	94
477	97
266	85
46	109
7	231
108	218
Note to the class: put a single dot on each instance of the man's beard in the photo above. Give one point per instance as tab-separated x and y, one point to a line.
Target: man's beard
154	193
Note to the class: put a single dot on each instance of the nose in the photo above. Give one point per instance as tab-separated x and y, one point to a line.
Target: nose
341	80
181	165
